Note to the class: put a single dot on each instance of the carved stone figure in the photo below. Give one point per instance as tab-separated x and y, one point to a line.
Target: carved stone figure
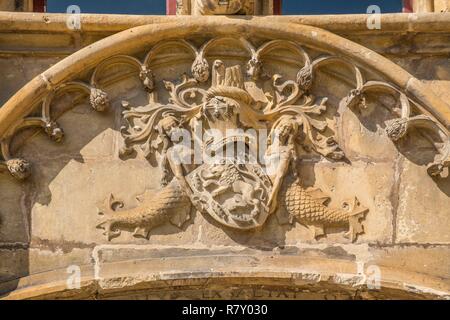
236	190
172	203
210	7
298	202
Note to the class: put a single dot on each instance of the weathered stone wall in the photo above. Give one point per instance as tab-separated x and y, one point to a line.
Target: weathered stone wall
48	221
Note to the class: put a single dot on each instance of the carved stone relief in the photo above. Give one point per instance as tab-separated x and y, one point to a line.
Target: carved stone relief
219	7
237	190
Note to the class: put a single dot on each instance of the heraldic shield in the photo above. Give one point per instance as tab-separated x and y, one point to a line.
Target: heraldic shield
234	194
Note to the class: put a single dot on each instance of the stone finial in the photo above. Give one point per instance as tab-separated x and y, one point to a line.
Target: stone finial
54	131
200	69
396	128
305	77
19	168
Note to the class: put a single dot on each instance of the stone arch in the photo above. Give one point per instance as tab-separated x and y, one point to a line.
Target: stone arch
330	279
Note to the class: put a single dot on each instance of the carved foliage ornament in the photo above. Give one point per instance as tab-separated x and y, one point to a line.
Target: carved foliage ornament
239	191
397	128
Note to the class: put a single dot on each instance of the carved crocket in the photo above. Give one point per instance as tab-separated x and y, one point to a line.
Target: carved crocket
170	204
217	7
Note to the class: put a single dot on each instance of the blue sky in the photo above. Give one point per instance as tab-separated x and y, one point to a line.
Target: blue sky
289	6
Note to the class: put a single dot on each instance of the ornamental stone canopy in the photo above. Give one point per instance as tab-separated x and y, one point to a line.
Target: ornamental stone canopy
218	157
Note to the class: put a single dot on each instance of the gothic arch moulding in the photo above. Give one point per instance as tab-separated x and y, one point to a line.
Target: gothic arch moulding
308	89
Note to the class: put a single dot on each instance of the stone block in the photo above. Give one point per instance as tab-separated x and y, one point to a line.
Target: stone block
14	210
424	207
